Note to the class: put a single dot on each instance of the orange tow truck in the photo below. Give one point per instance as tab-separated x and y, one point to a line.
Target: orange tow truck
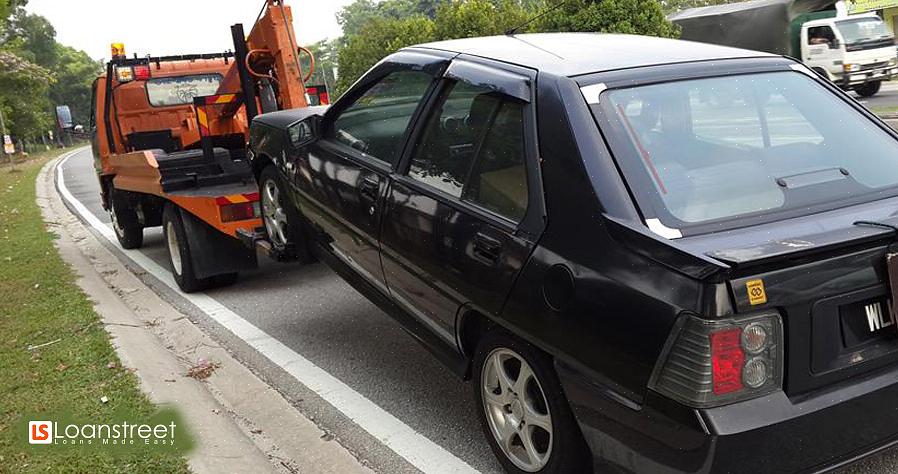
169	138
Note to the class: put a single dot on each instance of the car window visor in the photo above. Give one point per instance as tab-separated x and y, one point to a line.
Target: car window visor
415	61
503	82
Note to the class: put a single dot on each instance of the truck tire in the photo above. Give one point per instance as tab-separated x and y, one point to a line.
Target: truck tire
283	222
124	221
531	403
869	89
180	258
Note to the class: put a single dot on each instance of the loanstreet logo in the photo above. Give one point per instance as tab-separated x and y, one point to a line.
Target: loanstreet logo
118	432
50	432
876	317
40	432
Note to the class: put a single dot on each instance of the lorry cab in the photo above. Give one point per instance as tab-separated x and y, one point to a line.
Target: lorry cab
856	52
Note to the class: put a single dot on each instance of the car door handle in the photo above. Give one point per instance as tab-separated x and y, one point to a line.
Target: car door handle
369	185
487	248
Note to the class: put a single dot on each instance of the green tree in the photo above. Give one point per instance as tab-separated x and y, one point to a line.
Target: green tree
640	17
465	19
325	53
673	6
377	38
353	17
33	37
372	30
37	73
74	74
24	96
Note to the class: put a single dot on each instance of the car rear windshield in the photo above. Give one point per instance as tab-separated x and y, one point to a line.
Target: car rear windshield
711	150
166	91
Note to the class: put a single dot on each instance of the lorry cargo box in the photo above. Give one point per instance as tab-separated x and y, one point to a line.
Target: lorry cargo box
761	25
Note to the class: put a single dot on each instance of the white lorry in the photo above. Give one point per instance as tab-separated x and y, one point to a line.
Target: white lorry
857	52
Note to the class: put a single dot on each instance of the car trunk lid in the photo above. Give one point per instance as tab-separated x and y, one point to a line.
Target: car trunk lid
828	276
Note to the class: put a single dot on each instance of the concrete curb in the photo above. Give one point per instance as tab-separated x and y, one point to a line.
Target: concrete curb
240	423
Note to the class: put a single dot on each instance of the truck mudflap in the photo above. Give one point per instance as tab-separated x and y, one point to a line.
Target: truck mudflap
257	240
208	246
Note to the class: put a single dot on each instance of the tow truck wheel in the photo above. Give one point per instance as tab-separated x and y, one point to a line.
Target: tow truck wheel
523	410
129	236
179	251
281	218
869	89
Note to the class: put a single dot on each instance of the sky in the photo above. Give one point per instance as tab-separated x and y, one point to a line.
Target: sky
166	27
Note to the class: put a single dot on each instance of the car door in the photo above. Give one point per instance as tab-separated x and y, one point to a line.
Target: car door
460	215
339	179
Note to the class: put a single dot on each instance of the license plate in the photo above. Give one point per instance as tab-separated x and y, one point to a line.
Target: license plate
865	321
892	266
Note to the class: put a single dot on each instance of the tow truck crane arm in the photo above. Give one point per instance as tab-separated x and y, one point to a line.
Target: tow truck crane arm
267	66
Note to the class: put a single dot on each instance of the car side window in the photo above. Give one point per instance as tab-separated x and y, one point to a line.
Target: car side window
472	148
376	122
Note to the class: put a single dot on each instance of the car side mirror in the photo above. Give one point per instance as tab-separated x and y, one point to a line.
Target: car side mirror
305	131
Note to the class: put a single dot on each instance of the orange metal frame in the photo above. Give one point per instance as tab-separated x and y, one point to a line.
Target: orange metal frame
274	55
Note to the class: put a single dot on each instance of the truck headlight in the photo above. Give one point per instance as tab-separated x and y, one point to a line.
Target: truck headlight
851	67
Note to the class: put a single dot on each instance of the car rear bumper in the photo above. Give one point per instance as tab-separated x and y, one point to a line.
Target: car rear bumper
769	434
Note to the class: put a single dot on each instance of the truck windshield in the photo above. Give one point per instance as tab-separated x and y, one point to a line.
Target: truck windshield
717	150
166	91
865	29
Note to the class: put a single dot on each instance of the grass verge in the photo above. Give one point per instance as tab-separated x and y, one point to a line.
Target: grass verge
39	304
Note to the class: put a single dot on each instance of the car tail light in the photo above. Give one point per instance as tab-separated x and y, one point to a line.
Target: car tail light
142	72
727	360
231	212
715	362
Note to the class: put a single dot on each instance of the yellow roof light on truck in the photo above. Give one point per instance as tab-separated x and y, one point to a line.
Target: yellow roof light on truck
117	50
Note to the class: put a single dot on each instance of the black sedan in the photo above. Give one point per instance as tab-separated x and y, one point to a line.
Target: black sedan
647	255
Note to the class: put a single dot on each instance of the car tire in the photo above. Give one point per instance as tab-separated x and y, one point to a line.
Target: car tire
869	89
535	407
283	222
130	236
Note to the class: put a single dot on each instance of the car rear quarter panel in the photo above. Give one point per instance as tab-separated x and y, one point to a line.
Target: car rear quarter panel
617	307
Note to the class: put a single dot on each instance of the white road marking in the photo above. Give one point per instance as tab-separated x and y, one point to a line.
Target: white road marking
414	447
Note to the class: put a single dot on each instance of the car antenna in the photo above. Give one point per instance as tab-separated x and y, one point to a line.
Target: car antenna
512	31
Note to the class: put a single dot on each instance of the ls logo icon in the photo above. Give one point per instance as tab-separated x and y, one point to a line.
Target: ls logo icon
40	432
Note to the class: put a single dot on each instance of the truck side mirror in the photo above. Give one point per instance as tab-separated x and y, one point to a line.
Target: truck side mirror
834	44
305	131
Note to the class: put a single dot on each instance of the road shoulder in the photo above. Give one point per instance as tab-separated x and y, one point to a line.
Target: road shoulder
240	423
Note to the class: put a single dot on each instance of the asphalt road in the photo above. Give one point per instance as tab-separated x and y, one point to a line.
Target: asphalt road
886	98
316	314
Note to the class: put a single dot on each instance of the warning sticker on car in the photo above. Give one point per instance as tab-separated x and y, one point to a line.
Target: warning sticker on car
756	293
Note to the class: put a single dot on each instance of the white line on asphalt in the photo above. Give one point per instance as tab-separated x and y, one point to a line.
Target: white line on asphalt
414	447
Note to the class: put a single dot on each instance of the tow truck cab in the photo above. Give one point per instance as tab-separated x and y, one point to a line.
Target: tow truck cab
161	154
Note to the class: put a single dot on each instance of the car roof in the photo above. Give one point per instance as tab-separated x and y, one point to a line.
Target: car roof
573	54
